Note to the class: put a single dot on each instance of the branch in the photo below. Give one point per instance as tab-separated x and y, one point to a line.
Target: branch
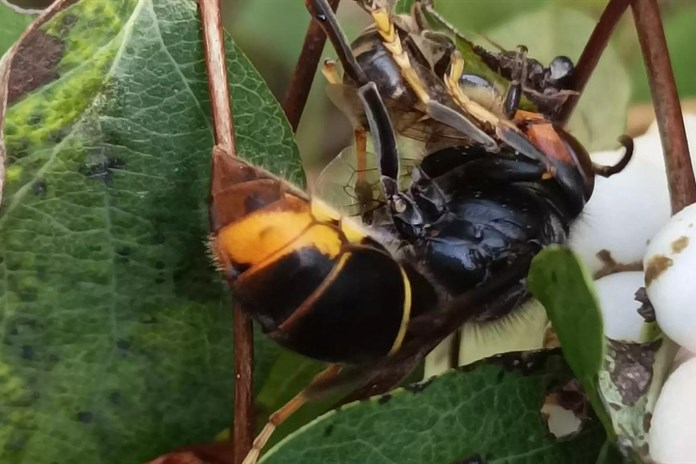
680	176
592	53
214	47
305	69
213	42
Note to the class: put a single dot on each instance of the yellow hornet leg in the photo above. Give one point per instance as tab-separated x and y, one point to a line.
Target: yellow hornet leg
328	69
435	109
330	73
392	42
505	130
286	411
469	106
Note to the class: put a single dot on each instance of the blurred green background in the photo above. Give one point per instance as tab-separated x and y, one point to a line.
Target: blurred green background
271	34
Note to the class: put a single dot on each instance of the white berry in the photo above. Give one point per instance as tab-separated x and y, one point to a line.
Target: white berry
670	277
616	295
627	209
672	436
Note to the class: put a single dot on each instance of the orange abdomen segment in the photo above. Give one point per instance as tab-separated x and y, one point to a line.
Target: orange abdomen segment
316	282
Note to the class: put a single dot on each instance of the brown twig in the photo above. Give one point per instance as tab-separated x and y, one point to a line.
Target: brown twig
682	187
243	425
592	53
301	81
213	42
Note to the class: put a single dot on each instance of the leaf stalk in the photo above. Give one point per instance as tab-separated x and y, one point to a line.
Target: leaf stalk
651	35
223	127
598	41
302	77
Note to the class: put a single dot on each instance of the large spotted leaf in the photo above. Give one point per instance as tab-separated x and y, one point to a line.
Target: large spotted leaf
489	412
115	339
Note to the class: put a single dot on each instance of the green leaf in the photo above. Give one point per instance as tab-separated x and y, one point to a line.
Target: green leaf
115	329
489	410
12	24
288	376
622	379
558	280
559	31
403	6
609	454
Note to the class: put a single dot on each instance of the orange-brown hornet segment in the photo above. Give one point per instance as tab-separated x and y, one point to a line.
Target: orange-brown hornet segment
316	282
557	144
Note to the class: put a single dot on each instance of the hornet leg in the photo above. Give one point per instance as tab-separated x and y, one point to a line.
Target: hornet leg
322	12
282	414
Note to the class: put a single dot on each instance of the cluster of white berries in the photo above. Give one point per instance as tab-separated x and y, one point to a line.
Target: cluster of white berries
625	224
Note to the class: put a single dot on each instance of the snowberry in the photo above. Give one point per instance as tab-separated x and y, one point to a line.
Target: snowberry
670	277
681	357
627	209
616	295
672	435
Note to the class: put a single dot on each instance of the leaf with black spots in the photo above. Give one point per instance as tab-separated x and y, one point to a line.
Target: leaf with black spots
115	329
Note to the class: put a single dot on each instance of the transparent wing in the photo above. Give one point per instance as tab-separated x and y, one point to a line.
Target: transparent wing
357	193
338	184
409	121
